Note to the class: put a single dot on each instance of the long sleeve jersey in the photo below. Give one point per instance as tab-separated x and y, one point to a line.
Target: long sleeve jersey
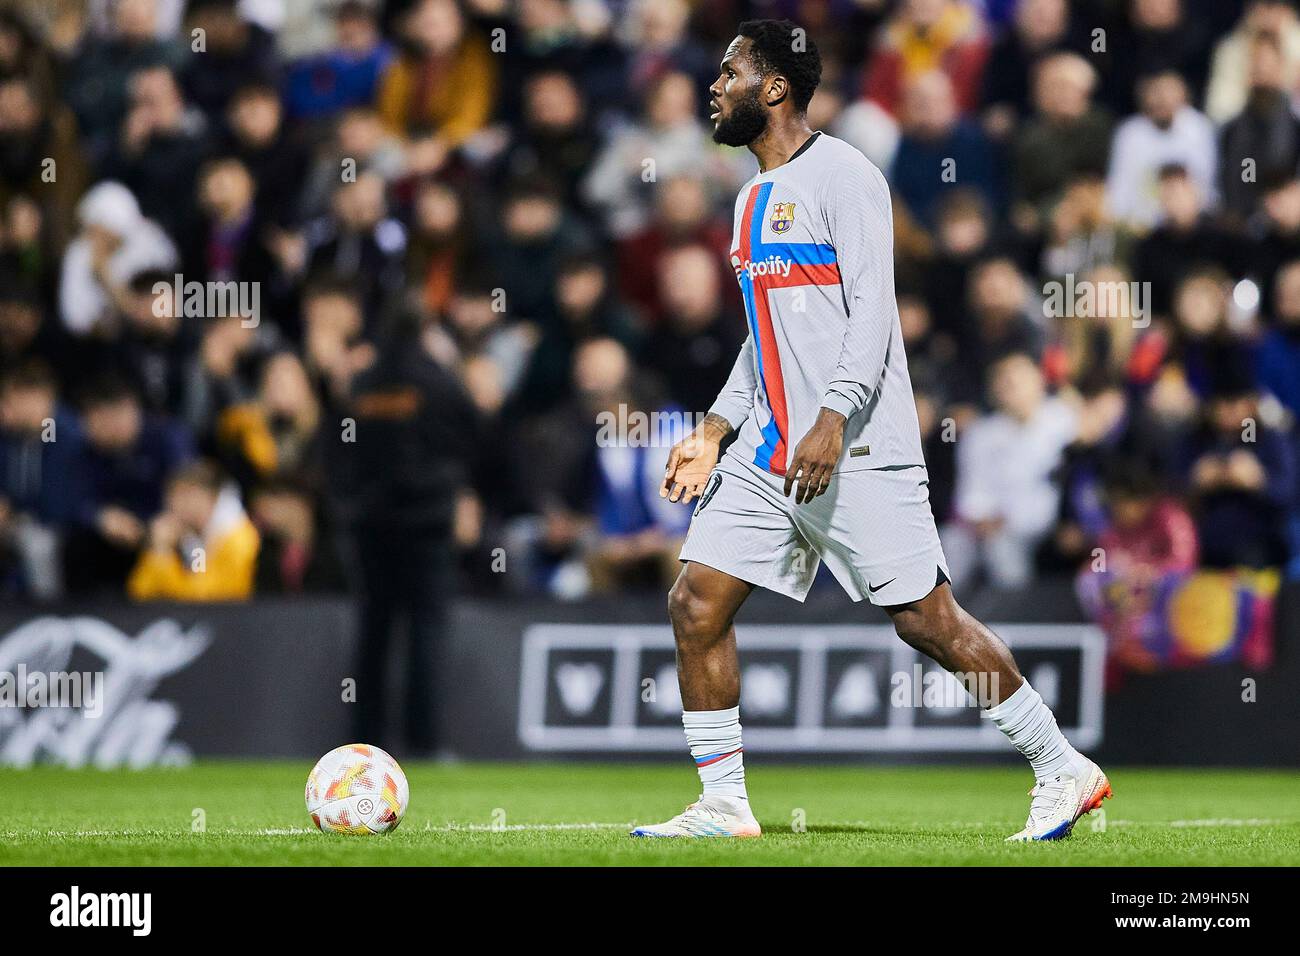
813	251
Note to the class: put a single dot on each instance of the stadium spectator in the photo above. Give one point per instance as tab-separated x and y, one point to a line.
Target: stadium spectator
27	244
23	54
1168	132
346	75
476	324
1081	233
295	557
236	50
25	333
159	149
126	461
534	236
1040	27
360	242
226	374
277	433
1149	532
1274	236
1006	500
1097	349
554	140
201	546
1205	342
658	41
584	306
1103	419
1262	142
274	159
1163	35
334	348
1186	236
99	73
1229	81
39	138
999	323
939	151
40	447
671	141
931	362
684	213
638	534
579	41
227	242
1067	134
439	252
115	243
963	237
1278	354
1242	478
359	143
440	88
694	347
925	35
156	349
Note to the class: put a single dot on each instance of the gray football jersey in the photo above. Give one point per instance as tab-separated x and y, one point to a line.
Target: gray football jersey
813	250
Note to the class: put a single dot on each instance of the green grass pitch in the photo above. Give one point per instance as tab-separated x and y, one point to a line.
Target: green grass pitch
577	814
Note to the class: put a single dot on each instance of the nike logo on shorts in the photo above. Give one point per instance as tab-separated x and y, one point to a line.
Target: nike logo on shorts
715	481
873	588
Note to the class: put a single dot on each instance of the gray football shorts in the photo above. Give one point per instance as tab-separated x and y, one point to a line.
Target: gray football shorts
872	527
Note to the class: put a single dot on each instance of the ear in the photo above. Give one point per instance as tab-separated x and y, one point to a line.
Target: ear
778	88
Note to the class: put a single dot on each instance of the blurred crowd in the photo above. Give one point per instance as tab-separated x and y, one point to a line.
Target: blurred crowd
526	193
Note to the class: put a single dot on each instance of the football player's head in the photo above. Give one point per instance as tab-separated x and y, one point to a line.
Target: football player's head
771	67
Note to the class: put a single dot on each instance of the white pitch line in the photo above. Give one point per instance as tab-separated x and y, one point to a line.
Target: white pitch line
525	827
560	827
1222	822
1218	822
1226	823
470	828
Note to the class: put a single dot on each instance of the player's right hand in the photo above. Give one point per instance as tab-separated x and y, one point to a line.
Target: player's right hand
689	464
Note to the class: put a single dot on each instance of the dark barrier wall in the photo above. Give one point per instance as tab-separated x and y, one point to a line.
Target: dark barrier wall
824	680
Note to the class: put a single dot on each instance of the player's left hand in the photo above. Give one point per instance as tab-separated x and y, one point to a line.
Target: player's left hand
815	458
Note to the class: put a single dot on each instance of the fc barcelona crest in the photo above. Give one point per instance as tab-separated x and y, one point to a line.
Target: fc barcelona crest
782	216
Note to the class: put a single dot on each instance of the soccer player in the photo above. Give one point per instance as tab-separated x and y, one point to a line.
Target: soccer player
827	465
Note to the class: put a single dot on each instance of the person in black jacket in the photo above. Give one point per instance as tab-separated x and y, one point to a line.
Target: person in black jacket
412	448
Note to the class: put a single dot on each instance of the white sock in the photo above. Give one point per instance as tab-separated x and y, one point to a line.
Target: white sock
714	739
1031	727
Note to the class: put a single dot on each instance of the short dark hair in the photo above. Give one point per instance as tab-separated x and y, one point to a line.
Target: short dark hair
200	472
1174	170
107	388
324	284
779	46
257	88
1130	478
31	375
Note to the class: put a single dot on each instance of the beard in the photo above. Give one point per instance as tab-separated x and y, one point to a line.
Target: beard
747	122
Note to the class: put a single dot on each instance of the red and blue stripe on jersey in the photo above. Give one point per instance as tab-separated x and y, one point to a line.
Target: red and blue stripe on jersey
811	263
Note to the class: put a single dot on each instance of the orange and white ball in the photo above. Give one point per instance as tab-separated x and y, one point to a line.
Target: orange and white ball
357	789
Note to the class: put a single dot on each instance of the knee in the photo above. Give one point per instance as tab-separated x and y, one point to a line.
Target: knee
695	618
929	626
910	625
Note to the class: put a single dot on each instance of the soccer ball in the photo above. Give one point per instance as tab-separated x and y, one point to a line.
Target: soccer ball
357	789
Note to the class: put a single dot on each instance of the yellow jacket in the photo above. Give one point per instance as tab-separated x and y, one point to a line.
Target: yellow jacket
230	562
458	102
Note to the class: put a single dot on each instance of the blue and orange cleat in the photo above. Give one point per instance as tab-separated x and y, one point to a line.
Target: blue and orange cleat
1059	802
707	817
